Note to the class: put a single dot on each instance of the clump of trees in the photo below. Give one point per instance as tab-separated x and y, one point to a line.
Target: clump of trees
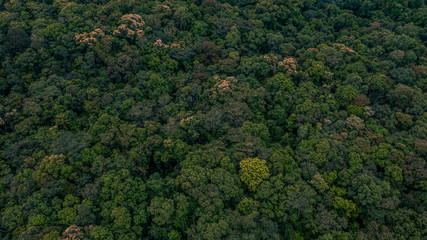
213	119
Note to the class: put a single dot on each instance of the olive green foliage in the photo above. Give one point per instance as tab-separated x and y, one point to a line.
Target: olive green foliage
213	119
253	171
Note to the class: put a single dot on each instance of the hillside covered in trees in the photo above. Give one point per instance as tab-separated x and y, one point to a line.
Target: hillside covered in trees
213	119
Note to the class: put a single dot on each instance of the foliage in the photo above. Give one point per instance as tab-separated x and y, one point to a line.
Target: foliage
253	171
213	119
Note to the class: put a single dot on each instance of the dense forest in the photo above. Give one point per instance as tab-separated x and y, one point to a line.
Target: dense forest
213	119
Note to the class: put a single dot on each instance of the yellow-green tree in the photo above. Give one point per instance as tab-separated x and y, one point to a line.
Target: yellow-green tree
253	171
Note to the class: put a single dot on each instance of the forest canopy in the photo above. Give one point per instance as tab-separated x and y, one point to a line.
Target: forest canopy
213	119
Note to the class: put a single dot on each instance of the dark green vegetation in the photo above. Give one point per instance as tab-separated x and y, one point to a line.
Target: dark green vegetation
214	119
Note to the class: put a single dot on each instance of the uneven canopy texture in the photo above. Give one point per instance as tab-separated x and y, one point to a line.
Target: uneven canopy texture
213	119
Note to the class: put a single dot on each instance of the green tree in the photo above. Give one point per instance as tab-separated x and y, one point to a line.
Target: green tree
253	171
